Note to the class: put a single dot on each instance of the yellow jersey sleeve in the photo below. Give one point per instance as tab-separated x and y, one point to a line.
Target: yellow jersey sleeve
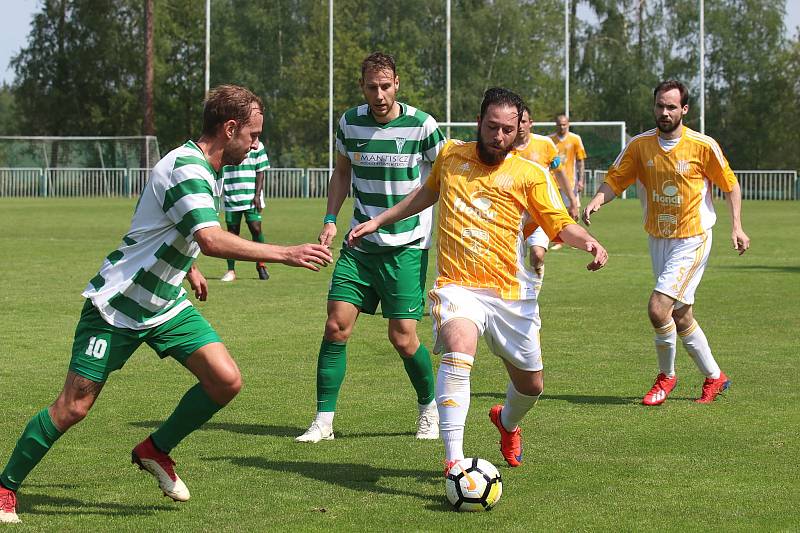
545	206
717	168
623	171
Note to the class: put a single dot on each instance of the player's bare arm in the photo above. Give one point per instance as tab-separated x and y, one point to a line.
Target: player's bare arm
603	196
418	200
257	201
563	184
198	283
579	176
576	236
215	242
338	187
741	242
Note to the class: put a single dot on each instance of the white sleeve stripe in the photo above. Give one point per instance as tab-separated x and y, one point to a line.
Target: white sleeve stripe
711	143
648	133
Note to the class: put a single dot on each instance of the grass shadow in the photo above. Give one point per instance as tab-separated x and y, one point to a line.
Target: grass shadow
43	504
353	476
571	398
271	430
761	268
244	429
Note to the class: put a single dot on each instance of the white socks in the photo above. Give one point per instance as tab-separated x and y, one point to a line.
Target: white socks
452	400
516	406
665	347
325	418
697	345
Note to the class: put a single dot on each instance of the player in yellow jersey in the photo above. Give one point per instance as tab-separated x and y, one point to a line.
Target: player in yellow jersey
571	150
674	168
541	149
488	194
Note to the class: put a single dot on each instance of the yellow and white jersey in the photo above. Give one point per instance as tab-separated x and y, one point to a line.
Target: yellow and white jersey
482	212
570	149
541	149
675	185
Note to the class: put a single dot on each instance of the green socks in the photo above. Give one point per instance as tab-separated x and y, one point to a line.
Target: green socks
36	440
331	365
195	409
420	371
258	238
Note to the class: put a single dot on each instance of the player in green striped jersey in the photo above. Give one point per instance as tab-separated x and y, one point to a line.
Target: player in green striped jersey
138	297
243	189
385	151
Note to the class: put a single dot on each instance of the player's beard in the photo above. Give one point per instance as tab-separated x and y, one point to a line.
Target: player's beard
667	128
489	157
234	155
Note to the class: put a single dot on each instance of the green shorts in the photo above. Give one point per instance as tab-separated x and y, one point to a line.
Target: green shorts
234	218
396	279
100	348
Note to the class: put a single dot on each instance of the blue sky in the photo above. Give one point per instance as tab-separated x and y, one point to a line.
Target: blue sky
17	15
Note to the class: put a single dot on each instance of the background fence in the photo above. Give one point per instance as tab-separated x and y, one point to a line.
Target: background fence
309	183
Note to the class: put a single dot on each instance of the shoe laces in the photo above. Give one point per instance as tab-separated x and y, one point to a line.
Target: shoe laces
660	383
8	501
424	422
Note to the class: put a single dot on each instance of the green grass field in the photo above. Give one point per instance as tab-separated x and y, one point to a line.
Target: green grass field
595	459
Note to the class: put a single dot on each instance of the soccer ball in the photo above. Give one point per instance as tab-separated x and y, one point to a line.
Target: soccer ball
473	485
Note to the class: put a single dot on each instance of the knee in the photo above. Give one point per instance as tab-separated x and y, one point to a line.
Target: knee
225	385
406	344
337	331
532	388
537	254
66	413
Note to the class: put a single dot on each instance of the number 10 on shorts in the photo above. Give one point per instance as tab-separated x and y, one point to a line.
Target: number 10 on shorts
97	347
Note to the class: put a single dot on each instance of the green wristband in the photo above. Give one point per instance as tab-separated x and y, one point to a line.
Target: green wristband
329	219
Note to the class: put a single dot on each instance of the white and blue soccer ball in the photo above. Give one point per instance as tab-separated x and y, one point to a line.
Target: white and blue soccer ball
473	485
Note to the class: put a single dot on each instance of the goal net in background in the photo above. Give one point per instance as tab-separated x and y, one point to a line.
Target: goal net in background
79	152
603	141
76	166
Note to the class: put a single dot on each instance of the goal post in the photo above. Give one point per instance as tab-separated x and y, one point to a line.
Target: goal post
602	140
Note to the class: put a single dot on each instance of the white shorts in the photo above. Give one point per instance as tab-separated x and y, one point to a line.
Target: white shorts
538	238
678	265
510	327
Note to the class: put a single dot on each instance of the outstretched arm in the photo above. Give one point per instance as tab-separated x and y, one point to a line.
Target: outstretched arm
741	242
216	242
603	196
418	200
576	236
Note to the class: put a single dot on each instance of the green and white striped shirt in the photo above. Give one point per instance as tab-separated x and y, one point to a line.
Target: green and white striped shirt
388	162
139	285
240	180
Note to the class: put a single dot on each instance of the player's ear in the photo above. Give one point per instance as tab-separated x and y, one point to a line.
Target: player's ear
229	128
396	83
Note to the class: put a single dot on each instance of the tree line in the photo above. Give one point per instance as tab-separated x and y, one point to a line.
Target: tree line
83	70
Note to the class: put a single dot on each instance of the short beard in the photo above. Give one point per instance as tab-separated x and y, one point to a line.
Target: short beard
669	130
231	159
488	157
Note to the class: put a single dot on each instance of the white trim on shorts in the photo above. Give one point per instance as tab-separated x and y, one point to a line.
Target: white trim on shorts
679	264
509	327
538	238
